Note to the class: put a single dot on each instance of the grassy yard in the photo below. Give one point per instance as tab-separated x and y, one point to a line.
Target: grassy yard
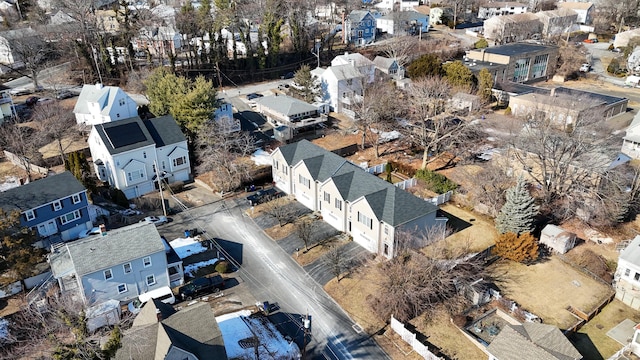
479	234
315	252
596	330
548	288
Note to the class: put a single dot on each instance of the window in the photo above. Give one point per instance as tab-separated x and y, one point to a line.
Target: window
30	215
386	230
146	261
163	166
57	205
304	181
108	274
327	197
127	268
637	276
277	165
75	198
122	102
67	218
144	154
180	161
338	204
135	175
285	170
122	288
363	219
151	280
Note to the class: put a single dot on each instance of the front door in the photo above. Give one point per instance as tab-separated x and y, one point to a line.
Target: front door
47	229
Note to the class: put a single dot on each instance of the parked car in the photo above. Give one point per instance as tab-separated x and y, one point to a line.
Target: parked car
261	196
163	294
283	87
616	50
20	91
44	101
203	285
253	96
31	100
585	68
288	75
89	232
64	94
591	41
157	220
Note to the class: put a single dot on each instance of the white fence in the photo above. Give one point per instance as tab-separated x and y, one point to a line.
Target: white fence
442	198
409	183
24	163
378	169
410	338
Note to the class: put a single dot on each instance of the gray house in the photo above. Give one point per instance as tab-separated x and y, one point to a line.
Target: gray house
116	265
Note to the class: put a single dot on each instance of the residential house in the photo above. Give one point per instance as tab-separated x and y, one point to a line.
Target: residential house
627	275
492	9
224	117
512	28
631	141
129	154
371	210
359	28
61	18
107	21
389	66
397	5
160	332
366	67
116	265
281	110
7	110
342	87
158	40
437	15
55	205
557	238
532	341
585	10
517	62
8	56
557	22
464	101
565	106
403	23
99	104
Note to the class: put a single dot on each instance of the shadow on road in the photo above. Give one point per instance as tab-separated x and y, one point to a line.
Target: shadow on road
231	249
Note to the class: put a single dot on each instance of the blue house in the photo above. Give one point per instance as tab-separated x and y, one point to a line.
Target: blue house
54	206
360	27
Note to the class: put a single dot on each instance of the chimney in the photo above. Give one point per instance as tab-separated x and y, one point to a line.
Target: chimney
103	229
158	315
99	86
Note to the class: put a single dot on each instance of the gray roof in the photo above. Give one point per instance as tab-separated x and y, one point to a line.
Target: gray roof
519	89
286	105
40	192
103	95
96	253
632	252
532	341
382	62
517	48
18	33
390	203
193	329
164	130
588	95
344	72
357	15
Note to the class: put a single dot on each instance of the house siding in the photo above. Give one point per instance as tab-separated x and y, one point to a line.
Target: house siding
304	194
281	177
361	32
334	216
45	214
96	289
365	236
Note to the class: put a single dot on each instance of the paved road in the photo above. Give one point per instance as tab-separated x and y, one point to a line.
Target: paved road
273	276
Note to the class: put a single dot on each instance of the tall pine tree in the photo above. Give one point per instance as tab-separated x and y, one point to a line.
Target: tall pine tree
518	213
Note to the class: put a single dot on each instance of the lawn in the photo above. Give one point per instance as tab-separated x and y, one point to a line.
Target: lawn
472	231
549	287
596	330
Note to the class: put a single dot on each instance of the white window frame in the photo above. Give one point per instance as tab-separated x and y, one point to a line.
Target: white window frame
130	174
124	268
338	204
30	215
174	161
76	215
57	205
146	261
327	197
76	198
109	276
365	220
152	278
124	290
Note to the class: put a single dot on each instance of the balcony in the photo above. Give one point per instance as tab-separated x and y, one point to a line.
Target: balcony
351	99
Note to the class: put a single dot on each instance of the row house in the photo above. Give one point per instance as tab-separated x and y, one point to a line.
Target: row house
374	212
492	9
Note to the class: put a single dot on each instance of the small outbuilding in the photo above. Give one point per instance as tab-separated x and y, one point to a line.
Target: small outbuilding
557	238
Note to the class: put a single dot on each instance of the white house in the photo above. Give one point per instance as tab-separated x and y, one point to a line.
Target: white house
557	238
99	104
8	55
631	141
281	110
501	8
371	210
401	5
341	86
584	10
366	67
224	116
129	154
627	276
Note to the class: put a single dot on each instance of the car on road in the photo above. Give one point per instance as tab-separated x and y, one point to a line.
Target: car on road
202	285
591	41
585	68
261	196
64	94
254	96
89	232
288	75
45	101
31	100
157	220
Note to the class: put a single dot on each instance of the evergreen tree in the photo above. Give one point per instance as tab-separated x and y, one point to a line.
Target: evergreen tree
426	65
521	248
485	84
306	86
518	212
17	254
457	74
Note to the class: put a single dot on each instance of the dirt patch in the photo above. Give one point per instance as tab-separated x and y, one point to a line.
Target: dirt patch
395	347
337	140
549	287
280	232
69	145
314	253
11	305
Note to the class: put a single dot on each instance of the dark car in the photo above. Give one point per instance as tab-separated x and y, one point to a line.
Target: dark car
203	285
261	196
31	100
253	96
64	94
288	75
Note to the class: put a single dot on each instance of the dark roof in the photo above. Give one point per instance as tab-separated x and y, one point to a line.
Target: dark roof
164	130
516	49
584	95
40	192
390	203
532	341
520	89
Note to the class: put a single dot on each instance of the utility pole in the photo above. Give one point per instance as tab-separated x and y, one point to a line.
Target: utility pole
317	46
164	208
305	324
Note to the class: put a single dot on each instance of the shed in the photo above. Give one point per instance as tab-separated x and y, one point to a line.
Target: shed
463	101
557	238
283	133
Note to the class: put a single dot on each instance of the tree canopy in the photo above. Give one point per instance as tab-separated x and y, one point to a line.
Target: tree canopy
306	87
426	65
17	254
521	248
457	74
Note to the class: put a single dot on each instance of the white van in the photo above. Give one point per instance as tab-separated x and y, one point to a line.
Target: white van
163	294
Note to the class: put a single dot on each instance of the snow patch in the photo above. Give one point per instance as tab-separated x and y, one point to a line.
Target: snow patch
10	182
261	157
186	247
4	329
189	269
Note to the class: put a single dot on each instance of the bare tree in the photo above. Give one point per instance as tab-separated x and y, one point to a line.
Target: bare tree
402	49
21	141
305	230
407	240
223	151
280	210
571	58
336	261
490	186
31	51
55	123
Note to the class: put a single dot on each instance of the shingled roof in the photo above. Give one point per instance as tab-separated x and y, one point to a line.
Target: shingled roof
133	133
286	105
532	341
40	192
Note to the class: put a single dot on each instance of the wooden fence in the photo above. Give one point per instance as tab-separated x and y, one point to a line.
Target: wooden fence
586	317
411	338
23	163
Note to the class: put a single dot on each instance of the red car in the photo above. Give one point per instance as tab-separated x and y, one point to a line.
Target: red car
591	41
31	100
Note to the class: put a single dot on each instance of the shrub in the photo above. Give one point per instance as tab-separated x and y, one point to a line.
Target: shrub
481	44
403	168
610	47
507	111
223	267
177	186
436	182
614	66
119	197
